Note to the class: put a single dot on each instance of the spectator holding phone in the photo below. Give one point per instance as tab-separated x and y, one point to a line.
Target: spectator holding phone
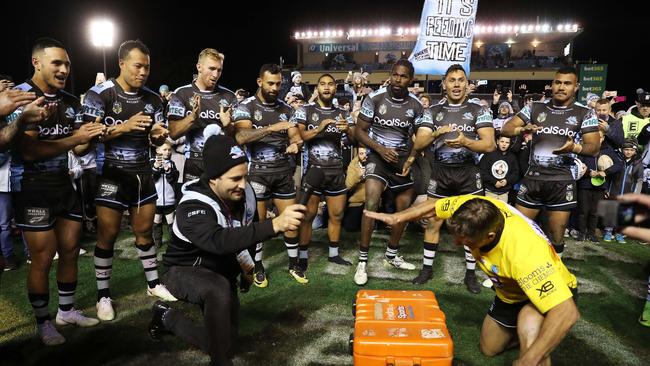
612	127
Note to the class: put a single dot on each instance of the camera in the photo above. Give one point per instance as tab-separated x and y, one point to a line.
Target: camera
616	214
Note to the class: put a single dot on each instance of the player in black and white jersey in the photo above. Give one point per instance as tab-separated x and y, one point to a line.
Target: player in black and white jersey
459	130
322	126
262	123
385	126
555	124
194	107
134	117
47	208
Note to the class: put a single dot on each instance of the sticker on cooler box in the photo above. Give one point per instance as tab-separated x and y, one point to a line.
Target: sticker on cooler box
432	333
369	332
397	332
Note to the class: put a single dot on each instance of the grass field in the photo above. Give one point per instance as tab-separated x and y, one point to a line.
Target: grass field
292	324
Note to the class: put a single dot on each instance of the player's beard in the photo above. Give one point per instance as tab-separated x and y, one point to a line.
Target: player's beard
269	98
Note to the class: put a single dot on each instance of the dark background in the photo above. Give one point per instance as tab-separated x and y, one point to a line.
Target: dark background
252	33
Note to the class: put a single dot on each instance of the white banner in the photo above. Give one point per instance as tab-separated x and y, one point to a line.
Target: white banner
446	33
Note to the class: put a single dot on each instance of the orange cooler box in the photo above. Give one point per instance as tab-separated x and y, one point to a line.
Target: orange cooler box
400	328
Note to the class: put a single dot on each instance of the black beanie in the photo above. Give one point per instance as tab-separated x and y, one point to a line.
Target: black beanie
220	153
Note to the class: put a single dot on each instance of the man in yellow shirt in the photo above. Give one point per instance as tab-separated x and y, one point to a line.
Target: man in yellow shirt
534	290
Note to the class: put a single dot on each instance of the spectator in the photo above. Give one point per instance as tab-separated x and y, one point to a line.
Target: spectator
592	187
6	214
425	99
639	116
297	88
501	115
612	127
355	182
165	176
630	180
241	94
499	170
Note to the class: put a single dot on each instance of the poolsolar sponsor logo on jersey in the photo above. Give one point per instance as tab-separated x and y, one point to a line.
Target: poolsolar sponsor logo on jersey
461	128
556	130
54	130
395	122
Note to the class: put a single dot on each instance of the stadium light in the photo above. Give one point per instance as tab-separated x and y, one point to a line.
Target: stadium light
102	33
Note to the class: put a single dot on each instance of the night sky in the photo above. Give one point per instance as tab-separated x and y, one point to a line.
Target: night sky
251	34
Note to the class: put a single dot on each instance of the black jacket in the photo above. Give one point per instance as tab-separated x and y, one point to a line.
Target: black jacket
630	179
592	164
205	234
496	166
614	136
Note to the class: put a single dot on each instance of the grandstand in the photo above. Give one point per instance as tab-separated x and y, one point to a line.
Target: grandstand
505	54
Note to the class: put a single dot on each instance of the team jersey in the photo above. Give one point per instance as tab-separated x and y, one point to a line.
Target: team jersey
467	117
268	152
558	124
324	149
523	265
108	100
62	123
391	120
180	106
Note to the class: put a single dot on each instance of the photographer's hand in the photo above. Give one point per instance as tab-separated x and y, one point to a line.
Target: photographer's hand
643	204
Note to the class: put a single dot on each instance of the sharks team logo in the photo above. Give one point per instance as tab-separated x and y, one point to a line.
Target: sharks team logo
382	109
541	117
440	116
314	117
573	120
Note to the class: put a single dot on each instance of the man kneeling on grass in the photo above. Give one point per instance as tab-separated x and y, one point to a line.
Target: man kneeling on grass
215	225
534	303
